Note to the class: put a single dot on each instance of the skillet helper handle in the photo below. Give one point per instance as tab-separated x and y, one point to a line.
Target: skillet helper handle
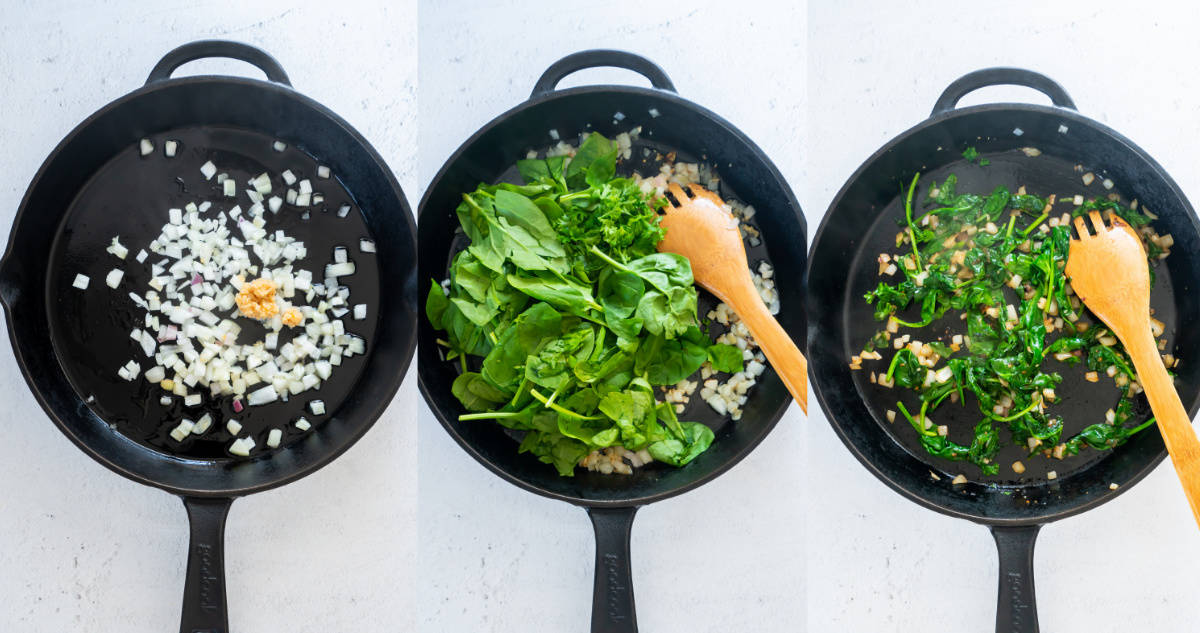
204	49
973	81
597	58
612	594
204	608
1016	609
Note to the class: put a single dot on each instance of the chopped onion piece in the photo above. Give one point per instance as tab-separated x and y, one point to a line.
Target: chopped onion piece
263	396
339	270
305	186
360	311
322	171
317	407
274	204
279	146
81	281
117	249
273	438
182	431
241	447
233	426
202	425
230	188
169	148
344	211
340	255
192	400
113	279
289	177
146	146
142	255
303	200
208	169
366	246
303	424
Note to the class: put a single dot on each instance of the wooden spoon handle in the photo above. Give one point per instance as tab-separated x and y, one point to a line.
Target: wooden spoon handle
785	357
1172	418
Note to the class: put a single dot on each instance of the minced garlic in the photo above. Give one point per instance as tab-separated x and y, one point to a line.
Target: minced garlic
257	299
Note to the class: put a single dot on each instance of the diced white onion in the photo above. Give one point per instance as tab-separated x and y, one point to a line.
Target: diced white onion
360	311
113	278
81	281
303	424
263	396
339	270
273	438
146	146
317	407
208	169
322	171
169	148
344	211
280	146
182	430
233	426
366	246
230	188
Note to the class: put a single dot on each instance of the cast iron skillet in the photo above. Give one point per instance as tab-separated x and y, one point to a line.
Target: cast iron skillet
680	125
56	231
860	223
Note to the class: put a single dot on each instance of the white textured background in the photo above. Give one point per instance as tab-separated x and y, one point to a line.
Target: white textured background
876	561
724	557
83	549
798	531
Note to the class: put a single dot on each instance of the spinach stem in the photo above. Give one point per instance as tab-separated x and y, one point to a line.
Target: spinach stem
567	412
489	415
908	215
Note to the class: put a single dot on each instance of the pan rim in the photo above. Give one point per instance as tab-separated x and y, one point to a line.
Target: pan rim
772	172
407	348
905	487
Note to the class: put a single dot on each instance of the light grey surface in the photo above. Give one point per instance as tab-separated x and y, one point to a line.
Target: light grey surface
876	561
727	556
83	549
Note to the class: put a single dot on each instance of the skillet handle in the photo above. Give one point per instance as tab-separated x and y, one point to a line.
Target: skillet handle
596	58
204	608
612	594
218	48
1016	608
971	82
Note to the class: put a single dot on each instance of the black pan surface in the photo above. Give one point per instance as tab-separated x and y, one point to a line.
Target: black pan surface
129	197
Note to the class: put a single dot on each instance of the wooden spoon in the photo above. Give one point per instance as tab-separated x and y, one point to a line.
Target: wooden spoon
1108	271
701	228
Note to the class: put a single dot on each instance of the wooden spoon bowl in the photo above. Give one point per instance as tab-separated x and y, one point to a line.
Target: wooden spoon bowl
701	227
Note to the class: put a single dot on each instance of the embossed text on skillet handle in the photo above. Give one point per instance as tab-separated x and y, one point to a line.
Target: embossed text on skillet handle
204	609
1016	609
612	597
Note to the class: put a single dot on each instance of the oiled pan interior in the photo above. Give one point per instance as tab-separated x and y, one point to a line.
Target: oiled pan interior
1082	403
129	197
667	125
863	223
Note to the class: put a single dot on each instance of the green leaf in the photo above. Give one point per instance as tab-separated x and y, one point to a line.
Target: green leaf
726	358
476	393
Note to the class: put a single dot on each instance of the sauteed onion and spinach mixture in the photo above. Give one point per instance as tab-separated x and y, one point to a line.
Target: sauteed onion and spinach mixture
566	320
994	262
